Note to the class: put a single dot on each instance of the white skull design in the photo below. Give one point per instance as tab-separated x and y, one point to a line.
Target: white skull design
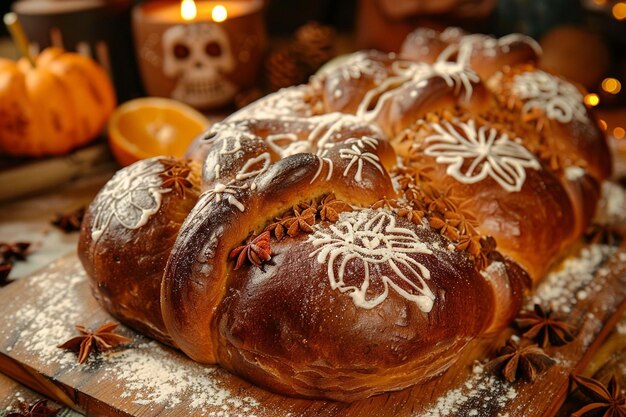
199	55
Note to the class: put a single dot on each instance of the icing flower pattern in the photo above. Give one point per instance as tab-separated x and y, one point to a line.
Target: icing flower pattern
473	154
131	196
372	239
558	99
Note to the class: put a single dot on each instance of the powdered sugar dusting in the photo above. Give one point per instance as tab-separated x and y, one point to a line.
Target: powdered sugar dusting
481	393
48	327
145	374
573	281
152	375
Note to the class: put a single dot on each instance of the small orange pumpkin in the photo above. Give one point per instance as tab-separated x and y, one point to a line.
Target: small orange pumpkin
59	104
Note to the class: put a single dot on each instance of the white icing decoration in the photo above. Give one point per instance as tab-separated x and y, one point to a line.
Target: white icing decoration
321	166
457	75
131	196
518	37
282	104
372	241
225	192
558	99
574	173
248	171
474	154
363	142
488	45
358	65
357	155
234	142
325	127
287	144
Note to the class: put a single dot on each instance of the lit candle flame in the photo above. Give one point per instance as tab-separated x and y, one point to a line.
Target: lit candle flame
188	10
219	13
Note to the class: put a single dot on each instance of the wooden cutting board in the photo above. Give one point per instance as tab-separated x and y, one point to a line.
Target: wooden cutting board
148	379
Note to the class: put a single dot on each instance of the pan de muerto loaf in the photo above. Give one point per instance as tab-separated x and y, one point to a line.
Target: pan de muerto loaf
350	236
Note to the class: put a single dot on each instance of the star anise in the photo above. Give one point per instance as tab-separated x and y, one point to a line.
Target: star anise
444	226
301	221
38	409
419	172
277	228
257	251
104	338
177	181
385	203
176	177
543	327
603	234
17	251
440	201
607	400
471	244
329	208
5	270
515	362
487	253
70	222
404	181
412	214
172	165
416	197
463	221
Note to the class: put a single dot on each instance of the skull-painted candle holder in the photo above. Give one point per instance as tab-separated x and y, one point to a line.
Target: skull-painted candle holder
201	62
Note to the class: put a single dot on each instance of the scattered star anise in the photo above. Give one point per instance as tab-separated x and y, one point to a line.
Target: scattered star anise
416	197
606	235
17	251
8	253
5	270
543	327
38	409
277	228
471	244
412	214
69	222
463	221
177	181
385	203
487	253
515	362
438	200
176	177
257	251
405	181
329	208
418	171
301	221
607	400
104	338
444	226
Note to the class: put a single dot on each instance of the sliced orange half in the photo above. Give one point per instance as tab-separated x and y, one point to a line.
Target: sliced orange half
152	126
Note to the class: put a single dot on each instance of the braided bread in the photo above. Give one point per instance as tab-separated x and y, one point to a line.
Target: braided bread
350	236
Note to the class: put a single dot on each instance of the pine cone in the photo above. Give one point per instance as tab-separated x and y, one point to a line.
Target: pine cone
282	69
314	44
245	97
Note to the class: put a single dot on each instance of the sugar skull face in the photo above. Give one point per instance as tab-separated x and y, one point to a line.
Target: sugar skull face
198	56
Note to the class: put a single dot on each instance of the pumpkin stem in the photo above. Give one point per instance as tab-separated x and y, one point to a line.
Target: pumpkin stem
19	37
